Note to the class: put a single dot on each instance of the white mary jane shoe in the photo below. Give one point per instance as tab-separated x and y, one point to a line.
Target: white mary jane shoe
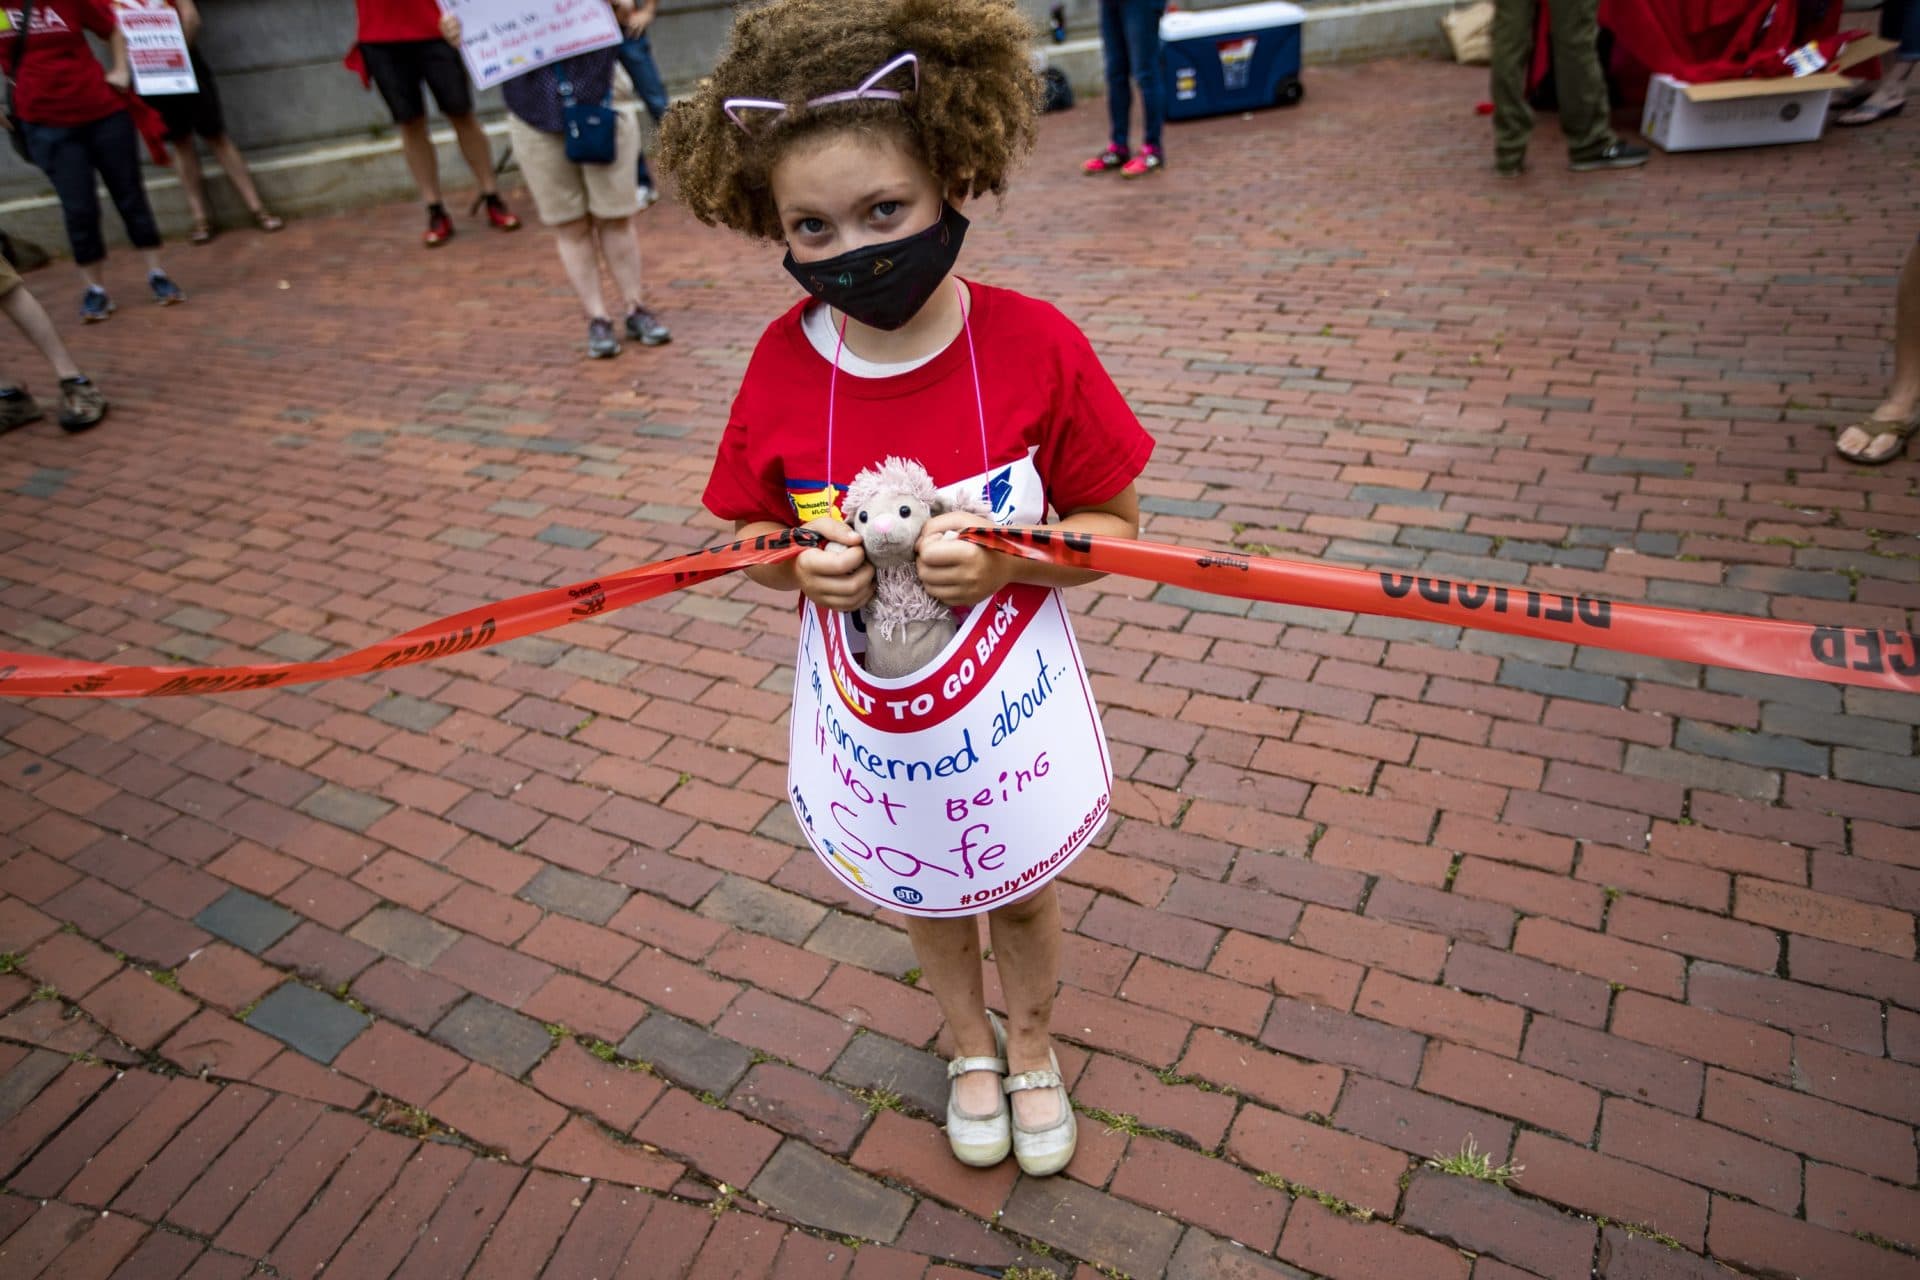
979	1140
1045	1151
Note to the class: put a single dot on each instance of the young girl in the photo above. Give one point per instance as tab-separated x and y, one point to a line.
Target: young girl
853	131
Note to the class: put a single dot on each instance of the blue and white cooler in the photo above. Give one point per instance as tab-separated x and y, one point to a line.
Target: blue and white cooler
1234	59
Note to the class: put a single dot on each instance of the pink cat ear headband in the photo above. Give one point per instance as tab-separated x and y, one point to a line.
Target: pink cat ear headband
862	92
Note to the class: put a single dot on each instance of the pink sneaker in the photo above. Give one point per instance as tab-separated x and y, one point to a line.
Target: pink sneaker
1107	161
1145	161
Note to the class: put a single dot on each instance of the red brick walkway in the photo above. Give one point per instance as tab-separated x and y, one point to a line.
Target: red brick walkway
510	962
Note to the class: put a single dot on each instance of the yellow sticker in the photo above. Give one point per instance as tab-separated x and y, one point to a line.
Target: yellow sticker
813	505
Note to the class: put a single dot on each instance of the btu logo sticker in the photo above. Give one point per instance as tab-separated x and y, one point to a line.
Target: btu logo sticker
907	894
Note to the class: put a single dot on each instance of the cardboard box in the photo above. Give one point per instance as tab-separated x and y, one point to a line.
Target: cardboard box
1747	113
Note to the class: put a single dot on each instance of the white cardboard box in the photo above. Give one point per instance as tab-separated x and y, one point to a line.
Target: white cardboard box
1746	113
1688	117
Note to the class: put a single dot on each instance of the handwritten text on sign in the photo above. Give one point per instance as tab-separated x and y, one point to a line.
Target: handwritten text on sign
501	39
157	51
959	788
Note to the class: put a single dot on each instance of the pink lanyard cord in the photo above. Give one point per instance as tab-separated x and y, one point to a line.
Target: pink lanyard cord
973	362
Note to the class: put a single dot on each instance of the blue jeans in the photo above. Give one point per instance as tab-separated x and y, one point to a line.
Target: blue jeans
1900	20
636	55
70	156
1130	40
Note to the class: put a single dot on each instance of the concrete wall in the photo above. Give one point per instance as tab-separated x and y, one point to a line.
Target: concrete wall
317	141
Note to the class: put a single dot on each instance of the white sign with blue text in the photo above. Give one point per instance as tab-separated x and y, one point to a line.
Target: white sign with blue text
501	39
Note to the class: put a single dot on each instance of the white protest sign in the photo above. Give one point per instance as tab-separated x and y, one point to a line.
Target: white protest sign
963	786
156	50
501	39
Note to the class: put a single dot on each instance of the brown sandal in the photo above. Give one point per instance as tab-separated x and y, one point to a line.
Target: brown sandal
266	220
1874	429
202	233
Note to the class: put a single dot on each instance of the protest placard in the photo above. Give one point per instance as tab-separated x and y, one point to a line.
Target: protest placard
961	787
501	39
156	50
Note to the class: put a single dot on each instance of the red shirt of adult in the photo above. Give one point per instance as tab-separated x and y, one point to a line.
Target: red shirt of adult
60	81
390	21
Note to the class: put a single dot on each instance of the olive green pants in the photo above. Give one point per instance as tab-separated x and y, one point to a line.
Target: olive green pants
1581	86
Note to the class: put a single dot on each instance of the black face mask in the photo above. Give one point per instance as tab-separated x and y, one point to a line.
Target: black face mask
885	285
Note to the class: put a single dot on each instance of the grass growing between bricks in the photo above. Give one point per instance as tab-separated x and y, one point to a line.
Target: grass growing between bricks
1644	1232
1344	1208
1471	1162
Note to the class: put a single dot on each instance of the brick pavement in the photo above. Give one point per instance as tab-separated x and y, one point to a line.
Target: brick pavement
509	962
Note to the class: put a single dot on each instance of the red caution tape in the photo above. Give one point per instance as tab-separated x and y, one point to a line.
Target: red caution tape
28	676
1875	659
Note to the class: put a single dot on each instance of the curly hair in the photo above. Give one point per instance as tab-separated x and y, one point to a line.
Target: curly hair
970	121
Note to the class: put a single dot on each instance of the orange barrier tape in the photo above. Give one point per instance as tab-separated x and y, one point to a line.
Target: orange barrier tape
29	676
1874	659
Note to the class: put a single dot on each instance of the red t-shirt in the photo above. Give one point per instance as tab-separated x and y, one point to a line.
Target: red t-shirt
60	81
387	21
1059	433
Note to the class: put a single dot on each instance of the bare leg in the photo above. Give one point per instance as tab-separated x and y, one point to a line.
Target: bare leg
152	257
193	182
32	320
1026	950
621	248
949	955
579	256
477	150
1903	393
421	162
236	169
1888	93
90	275
1903	397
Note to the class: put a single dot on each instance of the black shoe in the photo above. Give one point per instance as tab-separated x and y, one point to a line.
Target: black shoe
645	328
600	340
17	409
1615	155
82	404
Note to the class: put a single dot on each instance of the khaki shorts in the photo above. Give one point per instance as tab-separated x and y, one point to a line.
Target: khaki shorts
9	278
566	192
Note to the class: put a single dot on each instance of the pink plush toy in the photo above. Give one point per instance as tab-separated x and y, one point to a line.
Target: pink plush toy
888	505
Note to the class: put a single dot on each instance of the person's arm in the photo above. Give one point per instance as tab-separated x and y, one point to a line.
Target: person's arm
836	577
640	16
189	19
962	573
450	29
119	71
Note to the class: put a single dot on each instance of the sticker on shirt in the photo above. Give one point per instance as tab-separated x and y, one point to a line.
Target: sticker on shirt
812	500
1013	492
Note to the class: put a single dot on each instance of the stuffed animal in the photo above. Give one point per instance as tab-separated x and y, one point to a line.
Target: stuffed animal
888	505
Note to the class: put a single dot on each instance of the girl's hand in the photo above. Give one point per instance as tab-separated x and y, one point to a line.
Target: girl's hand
450	29
835	577
959	573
